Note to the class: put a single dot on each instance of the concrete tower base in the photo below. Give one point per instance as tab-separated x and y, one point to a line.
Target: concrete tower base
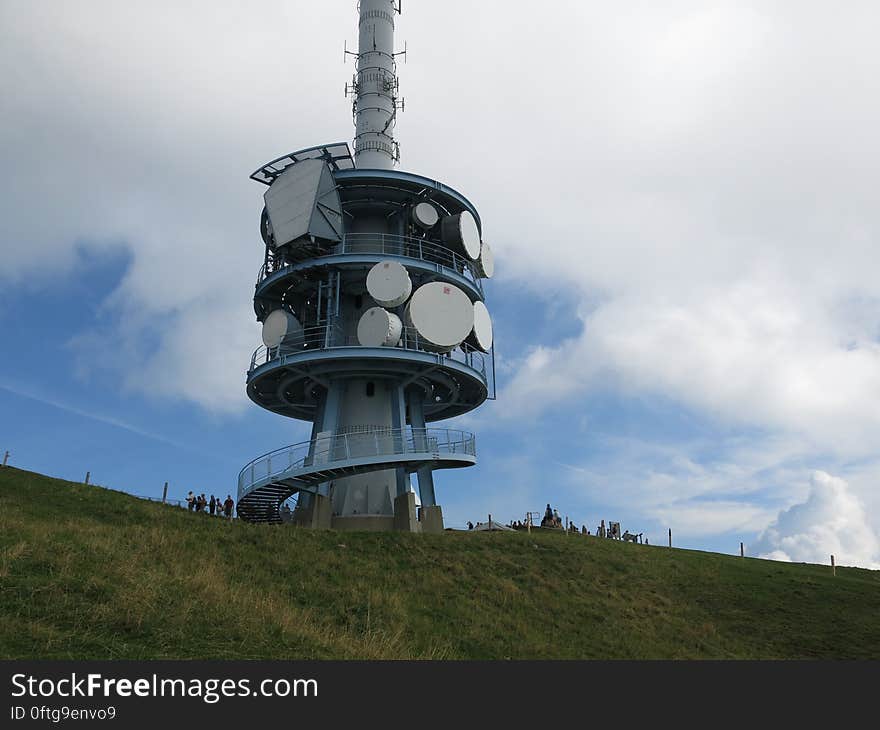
363	523
407	517
318	515
432	519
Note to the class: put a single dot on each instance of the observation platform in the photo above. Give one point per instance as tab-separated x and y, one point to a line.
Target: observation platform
283	379
369	186
265	483
427	260
393	188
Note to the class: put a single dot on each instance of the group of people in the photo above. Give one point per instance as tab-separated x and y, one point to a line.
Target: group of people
214	506
552	519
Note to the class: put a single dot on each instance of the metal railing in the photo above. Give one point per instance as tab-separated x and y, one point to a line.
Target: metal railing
386	244
330	336
337	449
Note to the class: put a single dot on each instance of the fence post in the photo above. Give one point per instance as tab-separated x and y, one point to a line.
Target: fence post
670	537
88	474
833	567
165	493
5	458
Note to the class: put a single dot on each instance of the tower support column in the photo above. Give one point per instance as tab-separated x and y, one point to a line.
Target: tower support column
329	427
415	399
398	423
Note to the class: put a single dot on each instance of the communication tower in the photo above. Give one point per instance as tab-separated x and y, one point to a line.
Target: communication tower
374	323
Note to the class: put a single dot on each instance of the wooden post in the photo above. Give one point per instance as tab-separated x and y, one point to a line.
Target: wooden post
88	474
742	551
670	537
833	567
5	458
529	522
164	492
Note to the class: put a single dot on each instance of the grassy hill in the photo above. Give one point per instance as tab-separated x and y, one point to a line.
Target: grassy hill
86	572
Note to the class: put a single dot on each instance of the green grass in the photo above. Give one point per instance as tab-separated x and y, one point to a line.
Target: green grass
87	572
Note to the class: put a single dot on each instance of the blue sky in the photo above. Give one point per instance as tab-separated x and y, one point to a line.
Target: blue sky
682	201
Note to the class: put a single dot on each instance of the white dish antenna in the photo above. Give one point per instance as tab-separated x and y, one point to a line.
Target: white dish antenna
388	283
481	335
485	265
379	328
425	215
281	326
461	230
441	314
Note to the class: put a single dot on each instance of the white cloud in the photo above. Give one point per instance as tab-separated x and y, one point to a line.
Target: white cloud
697	487
832	521
756	351
713	517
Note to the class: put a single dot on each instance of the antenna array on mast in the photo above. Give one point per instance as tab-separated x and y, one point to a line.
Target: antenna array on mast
375	86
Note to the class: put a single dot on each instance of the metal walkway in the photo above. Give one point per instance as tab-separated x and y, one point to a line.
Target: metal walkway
265	483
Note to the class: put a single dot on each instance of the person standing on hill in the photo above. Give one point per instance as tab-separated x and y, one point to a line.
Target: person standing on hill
190	501
227	506
212	505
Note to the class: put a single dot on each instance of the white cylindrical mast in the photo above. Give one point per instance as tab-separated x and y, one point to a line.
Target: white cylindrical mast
375	105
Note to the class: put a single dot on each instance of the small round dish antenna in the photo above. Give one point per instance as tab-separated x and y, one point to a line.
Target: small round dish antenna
461	230
281	326
266	228
388	283
425	215
485	265
379	328
481	335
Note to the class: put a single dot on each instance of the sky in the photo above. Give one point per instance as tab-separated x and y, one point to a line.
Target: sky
682	198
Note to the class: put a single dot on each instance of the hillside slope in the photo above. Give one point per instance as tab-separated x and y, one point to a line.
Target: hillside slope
87	572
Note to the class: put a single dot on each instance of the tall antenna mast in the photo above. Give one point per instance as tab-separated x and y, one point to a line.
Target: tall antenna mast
375	86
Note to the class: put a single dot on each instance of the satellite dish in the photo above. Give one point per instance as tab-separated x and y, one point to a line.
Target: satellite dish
425	215
266	228
389	284
441	314
281	326
481	335
379	328
461	231
485	265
